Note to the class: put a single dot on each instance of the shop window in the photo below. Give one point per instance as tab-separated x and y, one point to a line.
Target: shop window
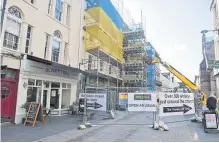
55	85
66	94
64	85
68	85
38	82
54	99
46	84
34	94
31	81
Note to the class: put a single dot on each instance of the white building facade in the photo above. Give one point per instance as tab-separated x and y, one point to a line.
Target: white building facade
215	15
168	82
42	45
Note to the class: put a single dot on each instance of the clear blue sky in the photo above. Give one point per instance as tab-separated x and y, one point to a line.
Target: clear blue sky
173	27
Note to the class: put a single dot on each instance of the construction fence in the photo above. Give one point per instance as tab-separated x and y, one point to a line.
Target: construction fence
112	94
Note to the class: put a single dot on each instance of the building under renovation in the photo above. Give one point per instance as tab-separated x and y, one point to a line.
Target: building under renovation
135	69
114	52
207	80
103	42
153	74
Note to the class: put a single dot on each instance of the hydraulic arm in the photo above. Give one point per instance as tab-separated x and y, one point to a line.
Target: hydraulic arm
180	76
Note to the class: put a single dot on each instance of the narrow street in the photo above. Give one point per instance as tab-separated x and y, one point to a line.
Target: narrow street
134	127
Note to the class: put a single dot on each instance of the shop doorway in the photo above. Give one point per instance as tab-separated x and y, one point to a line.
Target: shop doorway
54	100
45	101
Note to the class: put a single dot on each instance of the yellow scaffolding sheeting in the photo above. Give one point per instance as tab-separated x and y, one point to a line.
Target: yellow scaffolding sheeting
102	33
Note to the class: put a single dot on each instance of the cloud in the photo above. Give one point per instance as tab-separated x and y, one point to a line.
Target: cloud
180	48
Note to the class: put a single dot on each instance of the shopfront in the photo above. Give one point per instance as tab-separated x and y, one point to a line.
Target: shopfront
51	84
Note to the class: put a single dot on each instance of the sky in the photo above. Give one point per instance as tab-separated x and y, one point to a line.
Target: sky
173	27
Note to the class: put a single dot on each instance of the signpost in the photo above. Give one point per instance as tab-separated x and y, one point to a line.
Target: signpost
142	102
34	113
95	101
211	121
176	104
123	98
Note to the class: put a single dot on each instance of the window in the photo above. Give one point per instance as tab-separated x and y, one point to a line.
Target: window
66	93
34	90
12	32
66	53
56	44
50	7
59	10
34	94
46	46
68	15
10	41
28	38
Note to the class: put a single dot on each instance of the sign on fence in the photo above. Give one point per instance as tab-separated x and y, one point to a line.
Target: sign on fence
176	104
123	98
95	101
142	102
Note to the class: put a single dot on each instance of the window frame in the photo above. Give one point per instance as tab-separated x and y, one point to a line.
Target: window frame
65	60
60	10
49	10
47	46
28	50
18	20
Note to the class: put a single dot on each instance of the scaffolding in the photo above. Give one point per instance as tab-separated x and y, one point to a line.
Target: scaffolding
103	41
135	68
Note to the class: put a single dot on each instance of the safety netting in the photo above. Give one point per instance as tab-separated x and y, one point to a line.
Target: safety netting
110	10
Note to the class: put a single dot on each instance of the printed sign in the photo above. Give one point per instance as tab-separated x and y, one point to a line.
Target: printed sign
142	102
176	104
95	101
211	121
123	98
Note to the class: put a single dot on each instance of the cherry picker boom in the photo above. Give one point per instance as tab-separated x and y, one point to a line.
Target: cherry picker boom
180	76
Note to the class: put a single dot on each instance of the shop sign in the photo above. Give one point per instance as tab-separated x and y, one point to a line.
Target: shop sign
95	101
35	67
176	104
142	102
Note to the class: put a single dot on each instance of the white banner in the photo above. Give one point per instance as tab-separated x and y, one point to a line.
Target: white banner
95	101
176	104
142	102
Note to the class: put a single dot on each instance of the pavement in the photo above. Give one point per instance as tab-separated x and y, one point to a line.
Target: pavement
58	124
126	127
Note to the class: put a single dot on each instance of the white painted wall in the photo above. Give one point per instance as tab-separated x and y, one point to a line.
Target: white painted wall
37	16
167	84
42	23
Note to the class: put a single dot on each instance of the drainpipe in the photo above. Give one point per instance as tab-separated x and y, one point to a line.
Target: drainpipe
3	13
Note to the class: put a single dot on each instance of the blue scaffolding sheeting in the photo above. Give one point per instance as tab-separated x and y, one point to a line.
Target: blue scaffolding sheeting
151	70
110	10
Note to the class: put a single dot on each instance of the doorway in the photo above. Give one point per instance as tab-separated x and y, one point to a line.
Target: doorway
8	100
